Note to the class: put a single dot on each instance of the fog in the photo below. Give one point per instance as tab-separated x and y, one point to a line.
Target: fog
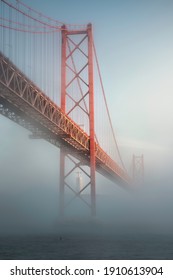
29	194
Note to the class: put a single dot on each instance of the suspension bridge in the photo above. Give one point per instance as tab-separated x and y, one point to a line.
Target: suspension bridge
51	84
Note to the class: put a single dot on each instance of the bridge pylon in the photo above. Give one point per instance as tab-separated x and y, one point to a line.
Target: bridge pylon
138	168
77	101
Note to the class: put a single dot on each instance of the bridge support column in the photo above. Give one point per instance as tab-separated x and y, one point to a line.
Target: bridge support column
91	121
62	183
63	106
138	169
77	73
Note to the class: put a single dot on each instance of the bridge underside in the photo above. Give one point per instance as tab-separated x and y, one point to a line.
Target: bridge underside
24	103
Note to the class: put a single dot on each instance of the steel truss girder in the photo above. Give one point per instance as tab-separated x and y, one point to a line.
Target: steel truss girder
17	90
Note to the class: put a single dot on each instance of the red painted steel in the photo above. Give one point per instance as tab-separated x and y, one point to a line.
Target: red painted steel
17	90
21	99
91	120
66	55
63	107
63	68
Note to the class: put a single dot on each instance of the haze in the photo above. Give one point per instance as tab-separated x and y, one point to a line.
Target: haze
135	44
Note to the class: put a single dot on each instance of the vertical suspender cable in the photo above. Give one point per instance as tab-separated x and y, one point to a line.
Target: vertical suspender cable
104	96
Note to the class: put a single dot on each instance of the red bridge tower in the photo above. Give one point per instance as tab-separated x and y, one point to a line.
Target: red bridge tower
77	73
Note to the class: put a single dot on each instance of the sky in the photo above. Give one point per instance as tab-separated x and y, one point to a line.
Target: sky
134	44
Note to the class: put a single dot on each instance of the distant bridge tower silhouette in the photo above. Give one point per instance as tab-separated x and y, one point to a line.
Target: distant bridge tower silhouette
138	168
78	45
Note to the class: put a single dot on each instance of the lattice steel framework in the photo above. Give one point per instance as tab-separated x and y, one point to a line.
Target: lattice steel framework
78	46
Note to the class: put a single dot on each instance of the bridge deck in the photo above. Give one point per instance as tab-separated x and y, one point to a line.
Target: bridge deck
22	98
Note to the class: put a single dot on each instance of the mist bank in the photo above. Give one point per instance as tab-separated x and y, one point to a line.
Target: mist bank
35	210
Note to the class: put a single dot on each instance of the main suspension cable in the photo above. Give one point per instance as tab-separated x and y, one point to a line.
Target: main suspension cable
29	16
104	96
